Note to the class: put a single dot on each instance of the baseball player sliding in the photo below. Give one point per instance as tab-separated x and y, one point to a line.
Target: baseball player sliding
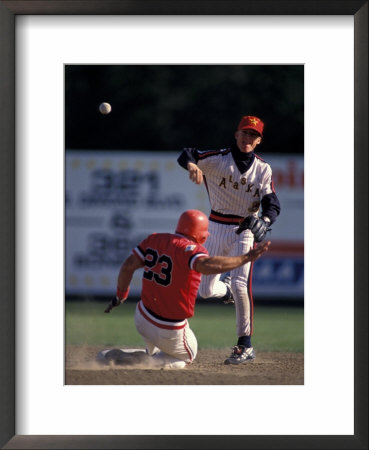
173	264
240	187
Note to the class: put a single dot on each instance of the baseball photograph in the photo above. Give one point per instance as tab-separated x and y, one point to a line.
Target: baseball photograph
170	284
184	224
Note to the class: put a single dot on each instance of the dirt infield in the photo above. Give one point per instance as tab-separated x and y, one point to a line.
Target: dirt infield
207	369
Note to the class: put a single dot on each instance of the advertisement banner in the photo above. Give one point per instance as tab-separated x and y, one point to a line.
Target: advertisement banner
115	199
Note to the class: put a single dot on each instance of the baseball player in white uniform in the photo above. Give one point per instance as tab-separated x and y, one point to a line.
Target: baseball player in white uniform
243	206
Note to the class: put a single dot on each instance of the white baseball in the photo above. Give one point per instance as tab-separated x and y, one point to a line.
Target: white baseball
105	108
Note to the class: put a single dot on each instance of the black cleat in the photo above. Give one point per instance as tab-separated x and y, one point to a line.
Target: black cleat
119	357
228	298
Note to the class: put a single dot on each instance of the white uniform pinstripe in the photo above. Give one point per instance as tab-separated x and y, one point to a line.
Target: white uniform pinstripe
232	193
223	240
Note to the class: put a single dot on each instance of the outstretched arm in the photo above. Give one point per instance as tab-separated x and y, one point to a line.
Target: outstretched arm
219	264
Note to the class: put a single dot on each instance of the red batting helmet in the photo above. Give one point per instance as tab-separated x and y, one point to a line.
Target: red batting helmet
193	223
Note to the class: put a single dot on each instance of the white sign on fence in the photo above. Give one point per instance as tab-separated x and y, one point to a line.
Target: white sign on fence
115	199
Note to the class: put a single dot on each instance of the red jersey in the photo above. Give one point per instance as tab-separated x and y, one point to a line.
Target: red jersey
169	282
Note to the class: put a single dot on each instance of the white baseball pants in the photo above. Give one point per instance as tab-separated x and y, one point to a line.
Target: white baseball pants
223	241
172	344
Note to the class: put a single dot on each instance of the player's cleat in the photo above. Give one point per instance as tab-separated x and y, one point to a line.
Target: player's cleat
121	357
240	354
228	298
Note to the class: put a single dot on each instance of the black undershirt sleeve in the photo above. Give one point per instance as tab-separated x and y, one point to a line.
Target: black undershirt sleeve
188	155
270	206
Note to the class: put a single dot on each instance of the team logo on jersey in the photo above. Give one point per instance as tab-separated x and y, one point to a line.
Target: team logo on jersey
236	185
189	248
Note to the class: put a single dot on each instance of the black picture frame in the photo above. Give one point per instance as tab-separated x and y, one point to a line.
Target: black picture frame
8	283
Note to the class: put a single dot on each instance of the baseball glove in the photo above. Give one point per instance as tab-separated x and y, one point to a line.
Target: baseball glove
257	226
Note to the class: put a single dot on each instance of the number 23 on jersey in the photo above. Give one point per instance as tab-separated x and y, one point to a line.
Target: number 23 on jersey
158	268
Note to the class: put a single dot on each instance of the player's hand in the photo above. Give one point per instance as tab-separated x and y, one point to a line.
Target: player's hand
195	174
258	251
113	304
119	298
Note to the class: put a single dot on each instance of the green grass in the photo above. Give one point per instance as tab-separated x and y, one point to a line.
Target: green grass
276	328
